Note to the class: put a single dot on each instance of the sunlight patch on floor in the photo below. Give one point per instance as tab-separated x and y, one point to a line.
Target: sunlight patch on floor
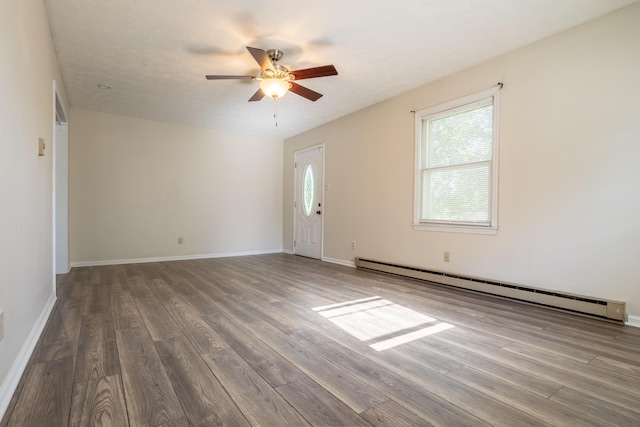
382	323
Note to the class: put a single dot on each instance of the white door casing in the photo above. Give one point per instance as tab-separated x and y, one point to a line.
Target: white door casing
308	201
60	154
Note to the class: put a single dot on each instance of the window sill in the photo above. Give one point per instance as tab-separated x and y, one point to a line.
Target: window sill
449	228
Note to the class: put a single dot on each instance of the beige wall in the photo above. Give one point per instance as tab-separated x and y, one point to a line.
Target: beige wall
137	185
569	201
27	69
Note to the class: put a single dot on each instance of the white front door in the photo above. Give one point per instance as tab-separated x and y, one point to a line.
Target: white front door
309	168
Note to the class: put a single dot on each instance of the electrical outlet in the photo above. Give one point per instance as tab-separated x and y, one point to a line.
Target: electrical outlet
1	325
180	240
447	256
353	245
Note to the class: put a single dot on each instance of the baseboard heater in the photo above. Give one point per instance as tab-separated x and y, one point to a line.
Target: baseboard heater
578	304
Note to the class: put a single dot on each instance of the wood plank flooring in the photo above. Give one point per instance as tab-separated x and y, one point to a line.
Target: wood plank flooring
280	340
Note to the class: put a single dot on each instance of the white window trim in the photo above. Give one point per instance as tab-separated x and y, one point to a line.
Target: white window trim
491	229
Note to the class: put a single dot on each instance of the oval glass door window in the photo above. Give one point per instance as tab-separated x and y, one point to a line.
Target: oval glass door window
307	189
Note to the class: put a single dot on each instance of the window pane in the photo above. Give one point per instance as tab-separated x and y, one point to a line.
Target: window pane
457	194
463	136
307	191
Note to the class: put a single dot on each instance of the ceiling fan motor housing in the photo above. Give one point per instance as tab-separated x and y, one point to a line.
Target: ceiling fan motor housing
279	72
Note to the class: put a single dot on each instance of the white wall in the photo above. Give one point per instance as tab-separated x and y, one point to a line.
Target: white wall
569	177
137	185
26	180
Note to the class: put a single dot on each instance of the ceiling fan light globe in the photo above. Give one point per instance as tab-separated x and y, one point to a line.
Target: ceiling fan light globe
274	88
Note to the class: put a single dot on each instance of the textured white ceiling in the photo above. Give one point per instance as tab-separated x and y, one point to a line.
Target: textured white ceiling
155	53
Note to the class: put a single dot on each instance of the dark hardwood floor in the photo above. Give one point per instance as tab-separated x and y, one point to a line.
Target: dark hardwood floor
280	340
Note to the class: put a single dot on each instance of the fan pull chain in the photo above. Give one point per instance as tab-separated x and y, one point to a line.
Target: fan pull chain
275	110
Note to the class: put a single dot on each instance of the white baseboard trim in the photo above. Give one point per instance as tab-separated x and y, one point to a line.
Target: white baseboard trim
287	251
10	383
633	321
339	261
172	258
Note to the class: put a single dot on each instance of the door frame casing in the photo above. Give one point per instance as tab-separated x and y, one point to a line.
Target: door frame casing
61	187
321	146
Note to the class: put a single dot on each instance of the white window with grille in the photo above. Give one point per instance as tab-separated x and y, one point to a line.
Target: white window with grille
456	180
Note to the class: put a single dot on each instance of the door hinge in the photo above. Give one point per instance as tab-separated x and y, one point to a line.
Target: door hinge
295	165
294	243
295	204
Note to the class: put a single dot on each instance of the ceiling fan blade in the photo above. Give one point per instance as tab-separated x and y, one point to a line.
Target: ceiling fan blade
261	58
305	92
257	96
310	73
214	77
